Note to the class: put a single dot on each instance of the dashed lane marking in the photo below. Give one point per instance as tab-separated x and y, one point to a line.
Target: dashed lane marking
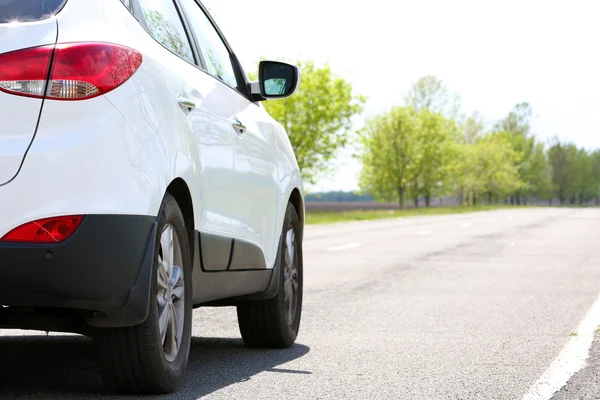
344	247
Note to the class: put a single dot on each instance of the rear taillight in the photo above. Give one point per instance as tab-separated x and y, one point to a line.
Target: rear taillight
71	71
25	72
48	230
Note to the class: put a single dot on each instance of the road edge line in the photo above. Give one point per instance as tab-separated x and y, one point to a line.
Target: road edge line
571	359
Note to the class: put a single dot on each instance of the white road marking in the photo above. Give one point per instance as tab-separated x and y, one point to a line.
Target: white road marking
344	247
509	217
492	220
423	233
570	360
466	224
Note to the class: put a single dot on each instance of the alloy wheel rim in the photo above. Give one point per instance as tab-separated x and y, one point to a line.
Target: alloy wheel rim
291	278
170	294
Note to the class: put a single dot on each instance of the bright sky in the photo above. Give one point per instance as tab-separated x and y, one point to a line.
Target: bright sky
493	53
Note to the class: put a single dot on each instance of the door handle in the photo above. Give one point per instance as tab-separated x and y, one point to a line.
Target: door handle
238	126
186	104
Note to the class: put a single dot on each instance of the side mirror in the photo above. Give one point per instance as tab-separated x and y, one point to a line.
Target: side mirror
276	80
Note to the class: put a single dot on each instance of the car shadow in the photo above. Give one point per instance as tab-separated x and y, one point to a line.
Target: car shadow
64	367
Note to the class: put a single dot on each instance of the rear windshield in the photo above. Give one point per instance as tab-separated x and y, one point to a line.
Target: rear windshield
28	10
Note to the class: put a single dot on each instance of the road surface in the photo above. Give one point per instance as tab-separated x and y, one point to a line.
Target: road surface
489	305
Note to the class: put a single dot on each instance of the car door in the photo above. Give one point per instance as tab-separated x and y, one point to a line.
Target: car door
197	97
254	181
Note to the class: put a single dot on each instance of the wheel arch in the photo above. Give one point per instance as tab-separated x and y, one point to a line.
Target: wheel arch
179	189
298	203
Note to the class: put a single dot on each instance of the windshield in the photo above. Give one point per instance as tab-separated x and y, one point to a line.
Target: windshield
27	10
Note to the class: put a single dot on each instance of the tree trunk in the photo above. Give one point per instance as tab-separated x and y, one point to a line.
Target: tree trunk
597	200
474	199
512	200
416	200
518	199
401	198
427	201
489	198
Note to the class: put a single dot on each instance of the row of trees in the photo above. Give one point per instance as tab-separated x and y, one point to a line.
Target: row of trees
427	149
423	149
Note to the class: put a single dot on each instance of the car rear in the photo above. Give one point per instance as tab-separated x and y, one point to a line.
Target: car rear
77	207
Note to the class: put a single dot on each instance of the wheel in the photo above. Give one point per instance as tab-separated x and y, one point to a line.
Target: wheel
275	322
152	357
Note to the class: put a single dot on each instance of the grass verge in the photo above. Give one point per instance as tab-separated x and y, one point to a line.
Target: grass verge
328	217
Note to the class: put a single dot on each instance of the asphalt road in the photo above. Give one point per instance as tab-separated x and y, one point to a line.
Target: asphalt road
473	306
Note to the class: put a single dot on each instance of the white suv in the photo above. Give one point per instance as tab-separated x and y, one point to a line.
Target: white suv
140	177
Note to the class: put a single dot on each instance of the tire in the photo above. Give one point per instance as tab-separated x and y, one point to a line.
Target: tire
137	359
267	323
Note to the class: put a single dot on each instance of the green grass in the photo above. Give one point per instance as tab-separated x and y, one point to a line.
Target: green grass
327	217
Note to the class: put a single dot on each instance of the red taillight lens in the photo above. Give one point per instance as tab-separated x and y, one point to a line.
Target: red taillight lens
48	230
78	71
84	70
24	72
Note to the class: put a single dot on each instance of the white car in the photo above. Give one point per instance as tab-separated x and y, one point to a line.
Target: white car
140	177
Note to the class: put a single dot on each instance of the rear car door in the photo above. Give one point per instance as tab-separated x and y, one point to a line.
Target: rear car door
36	27
254	183
197	96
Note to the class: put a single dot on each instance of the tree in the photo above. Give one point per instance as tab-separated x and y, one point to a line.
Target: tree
318	118
390	154
437	150
530	161
517	120
595	173
562	158
473	128
495	163
488	168
430	93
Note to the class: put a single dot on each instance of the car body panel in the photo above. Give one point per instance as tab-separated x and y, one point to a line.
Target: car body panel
20	114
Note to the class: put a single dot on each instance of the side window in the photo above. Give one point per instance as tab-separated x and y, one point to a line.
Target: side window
215	54
127	3
164	24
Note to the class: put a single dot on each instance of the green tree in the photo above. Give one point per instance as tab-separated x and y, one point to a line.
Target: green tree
488	168
595	176
563	161
473	128
318	118
517	120
437	151
531	161
430	93
390	154
496	163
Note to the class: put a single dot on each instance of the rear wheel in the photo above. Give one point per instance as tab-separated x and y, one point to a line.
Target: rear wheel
152	357
275	322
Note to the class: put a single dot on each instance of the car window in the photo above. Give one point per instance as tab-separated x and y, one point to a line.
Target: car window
164	24
216	57
27	10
